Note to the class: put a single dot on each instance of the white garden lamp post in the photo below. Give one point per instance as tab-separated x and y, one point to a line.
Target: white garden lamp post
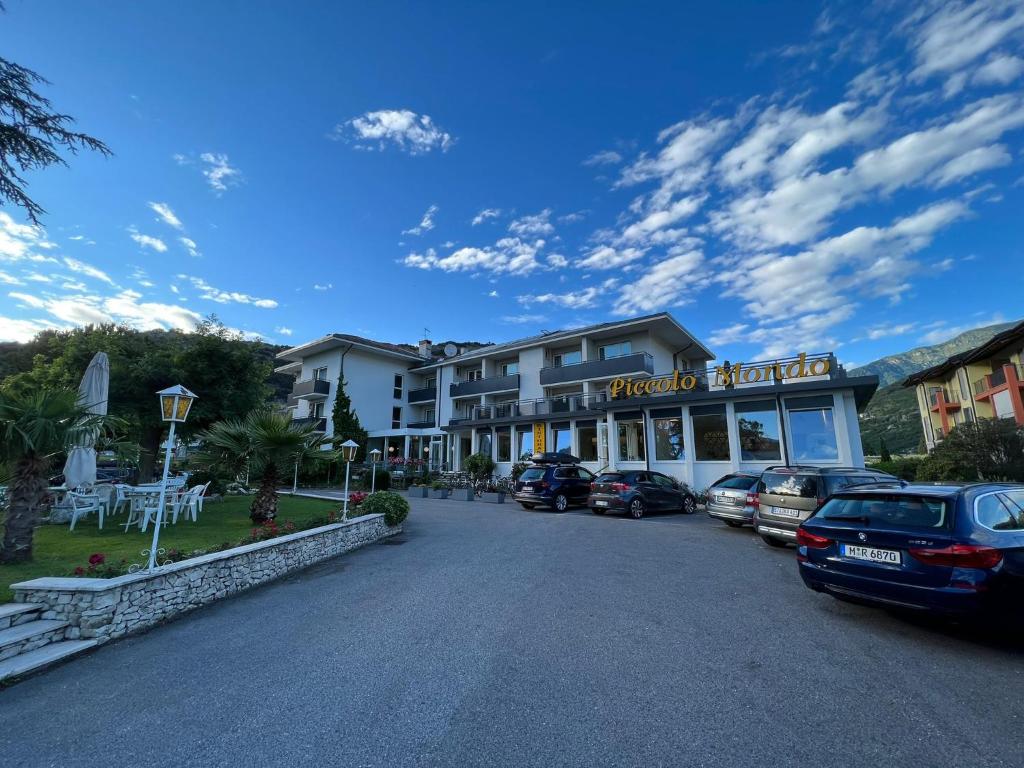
348	453
374	457
175	403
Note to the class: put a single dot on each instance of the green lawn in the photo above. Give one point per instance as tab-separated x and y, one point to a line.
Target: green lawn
59	550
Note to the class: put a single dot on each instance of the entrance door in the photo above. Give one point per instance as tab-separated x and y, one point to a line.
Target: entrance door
465	448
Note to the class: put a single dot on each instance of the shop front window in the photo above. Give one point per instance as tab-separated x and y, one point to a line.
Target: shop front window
758	427
668	437
561	438
524	444
631	439
504	444
483	443
586	434
710	433
814	435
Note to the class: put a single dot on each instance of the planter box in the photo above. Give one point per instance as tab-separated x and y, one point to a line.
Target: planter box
463	494
418	492
441	494
493	498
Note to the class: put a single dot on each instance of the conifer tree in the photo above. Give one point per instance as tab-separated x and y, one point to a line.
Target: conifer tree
346	421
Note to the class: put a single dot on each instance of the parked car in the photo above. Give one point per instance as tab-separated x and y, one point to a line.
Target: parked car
787	495
553	480
638	492
733	498
950	548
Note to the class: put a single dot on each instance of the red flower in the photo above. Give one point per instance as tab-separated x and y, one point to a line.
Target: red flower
79	571
97	558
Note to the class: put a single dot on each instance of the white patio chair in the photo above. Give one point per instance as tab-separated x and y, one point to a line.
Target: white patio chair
121	499
84	504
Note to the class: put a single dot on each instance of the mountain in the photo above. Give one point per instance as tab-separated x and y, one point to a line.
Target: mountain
895	368
892	413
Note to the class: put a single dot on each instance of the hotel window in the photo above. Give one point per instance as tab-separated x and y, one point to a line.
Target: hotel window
620	349
398	386
630	427
483	442
430	383
428	415
757	424
507	369
668	434
586	436
561	437
524	444
812	429
504	435
396	418
316	410
320	374
567	358
474	374
710	433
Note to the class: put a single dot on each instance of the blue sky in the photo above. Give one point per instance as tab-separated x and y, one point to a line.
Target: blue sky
781	177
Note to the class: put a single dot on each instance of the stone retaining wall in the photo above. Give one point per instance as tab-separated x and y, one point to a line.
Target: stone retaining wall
106	609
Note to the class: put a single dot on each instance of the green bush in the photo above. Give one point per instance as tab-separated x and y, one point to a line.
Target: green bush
382	483
218	482
393	506
479	466
989	449
438	485
905	468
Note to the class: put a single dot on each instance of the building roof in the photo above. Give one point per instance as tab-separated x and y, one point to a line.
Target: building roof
981	352
334	340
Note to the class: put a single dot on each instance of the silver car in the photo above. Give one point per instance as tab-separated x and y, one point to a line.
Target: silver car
733	498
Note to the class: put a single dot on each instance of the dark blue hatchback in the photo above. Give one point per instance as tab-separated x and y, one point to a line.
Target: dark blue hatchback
953	549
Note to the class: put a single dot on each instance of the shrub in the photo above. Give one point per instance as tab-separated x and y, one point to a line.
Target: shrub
393	506
438	485
989	449
218	482
382	482
479	466
903	467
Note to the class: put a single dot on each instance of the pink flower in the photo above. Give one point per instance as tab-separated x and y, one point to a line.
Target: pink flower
97	558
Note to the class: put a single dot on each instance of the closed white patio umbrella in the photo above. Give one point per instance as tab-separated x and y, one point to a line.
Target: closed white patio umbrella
93	392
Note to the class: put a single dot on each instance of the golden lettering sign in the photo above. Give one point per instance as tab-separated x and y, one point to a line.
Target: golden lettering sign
539	438
731	376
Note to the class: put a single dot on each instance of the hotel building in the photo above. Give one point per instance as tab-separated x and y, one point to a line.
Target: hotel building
633	393
982	383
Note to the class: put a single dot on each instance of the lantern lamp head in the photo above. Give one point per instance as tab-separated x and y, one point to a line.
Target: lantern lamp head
175	403
375	453
348	450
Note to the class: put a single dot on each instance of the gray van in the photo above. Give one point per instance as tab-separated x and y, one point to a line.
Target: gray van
788	495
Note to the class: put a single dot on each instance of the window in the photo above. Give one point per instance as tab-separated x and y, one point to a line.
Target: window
524	444
758	427
710	433
608	351
504	444
788	484
475	375
430	382
398	386
567	358
428	415
893	510
396	418
1001	511
316	410
814	435
561	437
668	436
532	473
483	443
507	369
663	480
586	435
320	374
631	438
737	482
567	473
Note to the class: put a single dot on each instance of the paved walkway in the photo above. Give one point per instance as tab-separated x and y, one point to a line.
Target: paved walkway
487	635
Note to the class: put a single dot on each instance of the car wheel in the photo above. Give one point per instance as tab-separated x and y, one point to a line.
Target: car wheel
597	510
772	542
561	502
689	505
524	505
637	508
733	523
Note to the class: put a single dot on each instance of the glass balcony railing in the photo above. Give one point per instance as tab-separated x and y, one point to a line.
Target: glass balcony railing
567	404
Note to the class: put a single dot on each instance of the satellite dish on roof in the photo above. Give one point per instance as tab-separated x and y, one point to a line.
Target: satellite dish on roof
450	349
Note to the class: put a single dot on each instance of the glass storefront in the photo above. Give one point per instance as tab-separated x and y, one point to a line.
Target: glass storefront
668	435
630	429
504	443
710	433
586	438
561	437
757	425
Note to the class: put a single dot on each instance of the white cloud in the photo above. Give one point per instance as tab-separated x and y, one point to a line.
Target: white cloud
88	270
606	257
27	299
604	157
537	225
658	220
583	299
219	172
730	334
426	223
668	283
146	241
941	332
401	128
207	291
22	331
510	255
22	242
492	294
557	261
885	331
956	34
485	214
283	330
8	279
323	286
522	319
190	246
166	215
1000	70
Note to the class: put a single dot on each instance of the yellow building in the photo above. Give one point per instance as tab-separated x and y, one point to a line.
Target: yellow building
986	382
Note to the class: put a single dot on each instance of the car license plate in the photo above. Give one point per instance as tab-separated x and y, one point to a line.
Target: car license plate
600	503
872	555
723	499
785	512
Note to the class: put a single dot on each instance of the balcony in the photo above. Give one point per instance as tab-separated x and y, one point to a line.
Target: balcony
485	386
427	424
941	399
566	404
319	425
424	395
311	389
636	363
995	379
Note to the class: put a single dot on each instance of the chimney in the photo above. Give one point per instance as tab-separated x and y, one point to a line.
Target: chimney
425	345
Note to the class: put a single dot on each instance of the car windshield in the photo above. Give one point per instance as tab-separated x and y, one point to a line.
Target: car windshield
887	510
787	484
736	482
532	473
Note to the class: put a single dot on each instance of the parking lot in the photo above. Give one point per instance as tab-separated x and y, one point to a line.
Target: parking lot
489	635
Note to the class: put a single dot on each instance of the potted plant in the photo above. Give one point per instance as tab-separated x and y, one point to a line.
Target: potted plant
463	494
438	490
492	494
417	491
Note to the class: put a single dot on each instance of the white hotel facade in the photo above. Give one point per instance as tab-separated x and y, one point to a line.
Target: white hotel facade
554	391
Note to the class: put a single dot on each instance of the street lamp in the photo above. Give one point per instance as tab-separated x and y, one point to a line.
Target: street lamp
374	455
348	453
175	403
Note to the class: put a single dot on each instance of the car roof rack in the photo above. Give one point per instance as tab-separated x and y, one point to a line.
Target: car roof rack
555	457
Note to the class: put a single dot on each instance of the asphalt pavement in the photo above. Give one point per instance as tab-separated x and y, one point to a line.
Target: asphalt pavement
487	635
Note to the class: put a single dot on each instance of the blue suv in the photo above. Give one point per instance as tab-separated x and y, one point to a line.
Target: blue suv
553	480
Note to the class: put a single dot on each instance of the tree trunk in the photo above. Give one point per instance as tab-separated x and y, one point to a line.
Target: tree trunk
264	505
150	448
28	499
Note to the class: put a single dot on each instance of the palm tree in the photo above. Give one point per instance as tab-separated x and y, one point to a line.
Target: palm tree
35	427
267	443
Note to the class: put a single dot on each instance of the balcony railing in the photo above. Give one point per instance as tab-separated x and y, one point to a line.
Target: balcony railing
424	395
484	386
425	424
947	397
638	362
319	425
567	404
311	389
